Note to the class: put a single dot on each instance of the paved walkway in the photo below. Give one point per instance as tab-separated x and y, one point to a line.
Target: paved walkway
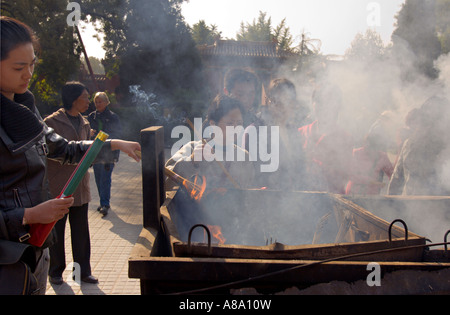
112	237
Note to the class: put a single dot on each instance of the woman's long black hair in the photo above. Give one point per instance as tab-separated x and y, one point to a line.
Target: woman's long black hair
13	34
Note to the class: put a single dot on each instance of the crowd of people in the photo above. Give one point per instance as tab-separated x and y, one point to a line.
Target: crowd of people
316	153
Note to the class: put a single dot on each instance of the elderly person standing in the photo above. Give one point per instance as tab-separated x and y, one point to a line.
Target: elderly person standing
103	119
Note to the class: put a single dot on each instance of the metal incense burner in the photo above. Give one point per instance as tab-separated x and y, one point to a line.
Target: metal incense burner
282	242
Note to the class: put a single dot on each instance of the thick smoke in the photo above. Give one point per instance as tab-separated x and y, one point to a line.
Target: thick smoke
393	87
389	86
443	64
371	90
371	87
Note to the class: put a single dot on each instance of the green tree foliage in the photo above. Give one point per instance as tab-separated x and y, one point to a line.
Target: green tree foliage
149	45
58	54
283	36
152	42
443	24
261	30
96	64
366	47
203	34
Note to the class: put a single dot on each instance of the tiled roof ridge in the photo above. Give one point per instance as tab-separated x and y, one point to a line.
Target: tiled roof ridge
267	49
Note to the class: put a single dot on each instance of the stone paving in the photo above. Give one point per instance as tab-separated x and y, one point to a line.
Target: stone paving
112	236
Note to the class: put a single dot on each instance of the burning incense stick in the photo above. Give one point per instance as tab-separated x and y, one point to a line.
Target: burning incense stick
40	232
180	179
222	167
195	191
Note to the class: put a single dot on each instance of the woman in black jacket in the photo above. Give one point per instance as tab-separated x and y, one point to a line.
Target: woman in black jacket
25	144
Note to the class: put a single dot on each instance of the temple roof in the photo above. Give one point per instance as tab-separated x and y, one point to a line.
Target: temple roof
232	48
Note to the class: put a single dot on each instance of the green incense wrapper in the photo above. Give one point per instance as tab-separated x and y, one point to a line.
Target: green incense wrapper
84	165
39	232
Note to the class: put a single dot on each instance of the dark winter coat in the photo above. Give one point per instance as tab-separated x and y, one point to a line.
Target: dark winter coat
23	167
108	122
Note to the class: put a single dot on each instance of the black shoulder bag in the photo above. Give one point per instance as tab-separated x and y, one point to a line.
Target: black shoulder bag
17	263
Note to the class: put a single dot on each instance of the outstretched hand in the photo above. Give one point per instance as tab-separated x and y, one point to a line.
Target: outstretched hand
128	147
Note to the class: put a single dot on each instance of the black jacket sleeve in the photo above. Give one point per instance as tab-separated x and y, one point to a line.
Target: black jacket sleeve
70	152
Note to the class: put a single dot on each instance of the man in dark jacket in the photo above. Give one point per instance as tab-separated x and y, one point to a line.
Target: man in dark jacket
103	119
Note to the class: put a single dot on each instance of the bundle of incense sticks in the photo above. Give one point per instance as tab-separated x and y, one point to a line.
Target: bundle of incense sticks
40	232
195	190
180	179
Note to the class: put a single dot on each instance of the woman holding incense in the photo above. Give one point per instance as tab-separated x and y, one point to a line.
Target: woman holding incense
212	158
25	144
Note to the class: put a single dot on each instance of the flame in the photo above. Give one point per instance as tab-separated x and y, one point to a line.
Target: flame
196	191
216	233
